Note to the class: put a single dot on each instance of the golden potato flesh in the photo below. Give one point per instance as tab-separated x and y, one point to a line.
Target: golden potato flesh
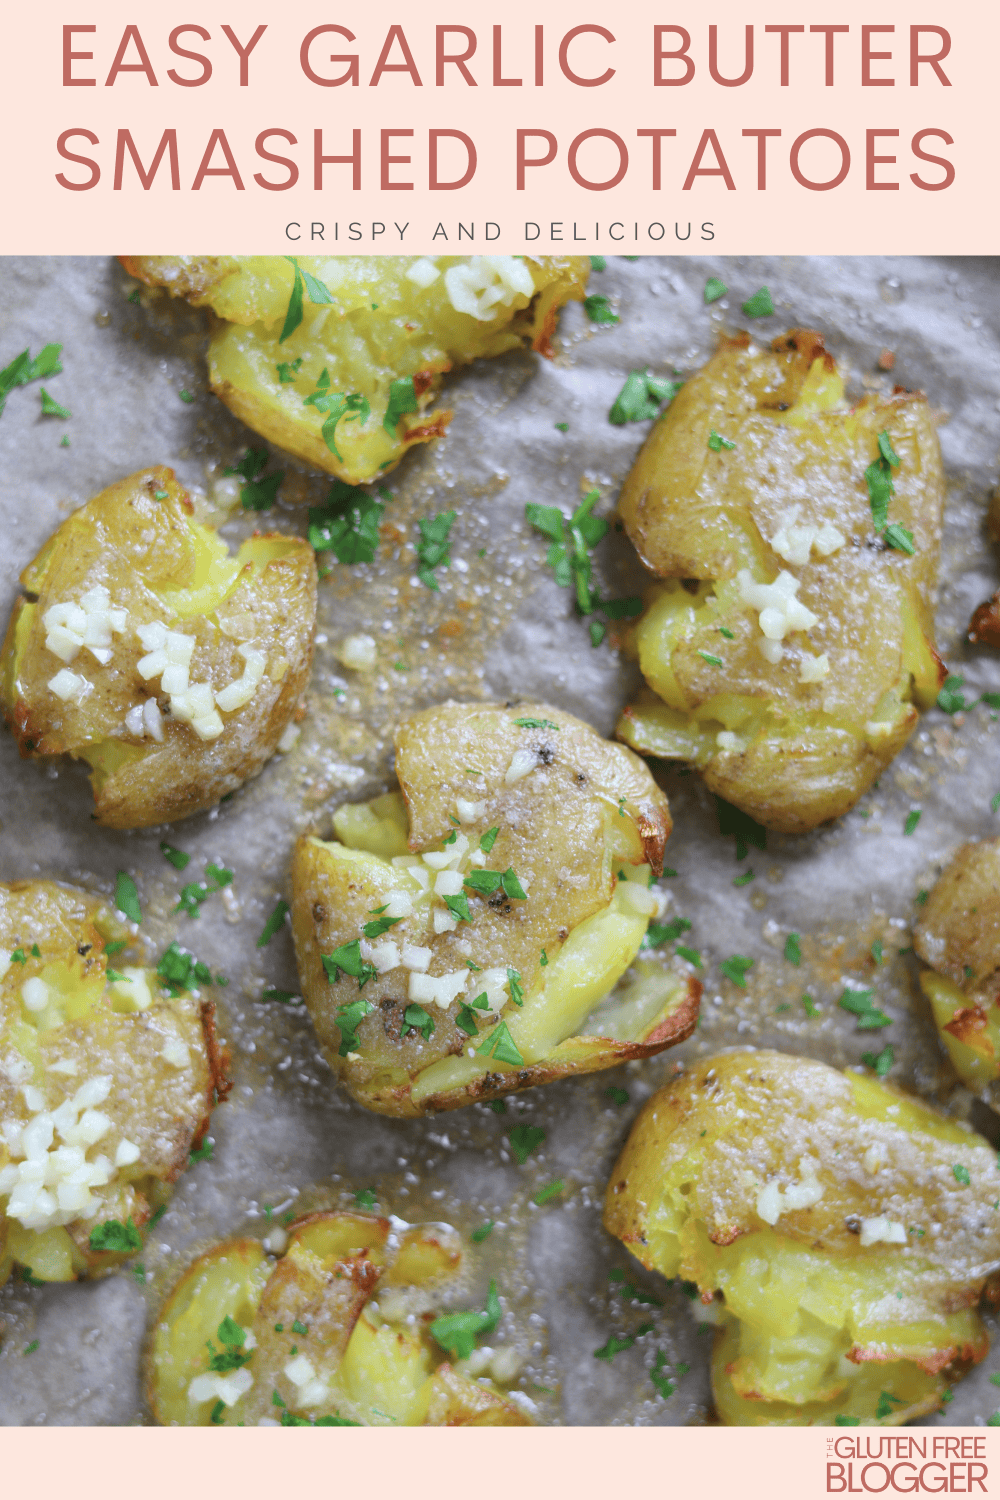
959	936
373	354
339	1330
839	1231
106	1083
787	647
460	939
141	646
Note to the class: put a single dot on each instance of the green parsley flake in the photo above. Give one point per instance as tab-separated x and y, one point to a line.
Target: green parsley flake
713	661
273	924
288	370
402	398
597	632
157	1216
484	1230
203	1152
51	408
179	970
859	1003
736	969
434	550
714	289
347	524
661	1384
561	426
877	952
842	1420
961	1174
810	1007
616	1095
599	309
349	1018
759	305
536	724
24	369
545	1194
614	1345
717	443
525	1139
186	396
734	820
347	960
114	1237
176	857
621	609
641	397
115	947
127	897
415	1018
665	932
488	839
793	949
880	1062
951	699
691	954
743	879
912	819
724	630
598	263
457	1332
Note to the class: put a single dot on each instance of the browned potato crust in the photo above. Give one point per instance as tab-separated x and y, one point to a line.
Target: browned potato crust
63	1023
583	810
138	541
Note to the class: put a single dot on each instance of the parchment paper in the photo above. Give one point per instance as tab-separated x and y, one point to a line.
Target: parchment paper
500	627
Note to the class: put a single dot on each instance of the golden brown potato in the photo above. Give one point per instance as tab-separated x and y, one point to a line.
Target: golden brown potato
252	1339
373	352
141	646
461	939
839	1232
107	1078
959	936
788	648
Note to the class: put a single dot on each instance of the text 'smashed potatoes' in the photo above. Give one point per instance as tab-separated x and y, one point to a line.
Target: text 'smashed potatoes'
461	938
839	1232
789	643
142	646
349	386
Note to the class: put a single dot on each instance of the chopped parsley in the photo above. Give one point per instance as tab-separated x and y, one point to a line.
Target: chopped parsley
747	831
51	408
336	406
536	724
30	1348
759	305
562	426
543	958
545	1194
178	970
28	1275
274	924
641	397
346	524
598	263
415	1018
499	1045
18	956
303	283
118	1238
186	396
288	370
714	289
23	369
736	969
661	1384
743	879
615	1345
843	1420
347	960
36	952
717	443
127	897
484	1230
256	493
157	1216
880	1062
466	1021
616	1095
203	1152
348	1019
691	954
713	661
810	1007
196	892
951	699
176	857
516	986
878	477
458	906
665	932
457	1332
860	1003
912	819
597	632
599	309
793	949
961	1174
525	1139
621	609
380	926
434	549
115	947
572	539
402	398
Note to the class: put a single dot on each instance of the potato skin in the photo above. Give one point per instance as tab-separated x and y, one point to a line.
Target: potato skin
804	752
686	1197
558	826
161	1108
145	551
958	935
381	328
336	1263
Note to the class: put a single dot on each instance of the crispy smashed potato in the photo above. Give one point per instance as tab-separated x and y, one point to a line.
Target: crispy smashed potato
141	646
369	360
106	1084
460	939
790	646
839	1232
959	936
250	1339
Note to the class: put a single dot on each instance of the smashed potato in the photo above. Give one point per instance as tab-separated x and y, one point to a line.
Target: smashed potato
142	646
106	1083
460	938
791	644
347	387
839	1232
959	936
248	1338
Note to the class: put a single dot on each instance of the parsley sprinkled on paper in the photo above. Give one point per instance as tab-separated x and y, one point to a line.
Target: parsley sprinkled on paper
24	369
186	396
257	492
118	1238
127	897
179	970
51	408
203	1152
743	879
615	1345
736	969
691	954
641	397
860	1003
434	549
281	997
196	892
951	699
457	1332
714	289
810	1007
30	1348
346	524
665	932
480	1234
561	426
599	309
598	263
616	1095
176	857
912	819
274	924
661	1384
525	1139
881	1062
732	820
793	949
759	305
546	1194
